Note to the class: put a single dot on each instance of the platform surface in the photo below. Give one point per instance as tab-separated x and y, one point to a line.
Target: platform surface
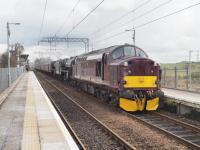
28	121
188	98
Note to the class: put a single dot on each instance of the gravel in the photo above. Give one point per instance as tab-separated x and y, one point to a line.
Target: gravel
134	132
89	131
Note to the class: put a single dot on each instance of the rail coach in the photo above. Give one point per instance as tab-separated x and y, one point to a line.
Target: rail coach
122	75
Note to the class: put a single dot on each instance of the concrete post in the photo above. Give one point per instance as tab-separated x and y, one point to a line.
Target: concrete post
175	74
190	70
164	77
187	74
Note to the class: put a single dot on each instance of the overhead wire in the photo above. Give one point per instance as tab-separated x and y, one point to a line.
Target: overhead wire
119	18
142	15
67	17
168	15
151	21
149	11
41	27
84	18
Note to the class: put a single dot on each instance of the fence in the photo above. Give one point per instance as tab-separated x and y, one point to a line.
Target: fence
15	72
181	79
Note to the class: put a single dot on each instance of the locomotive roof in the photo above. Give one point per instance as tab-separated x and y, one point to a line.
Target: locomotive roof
98	53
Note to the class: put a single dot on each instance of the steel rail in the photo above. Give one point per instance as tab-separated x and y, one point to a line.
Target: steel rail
181	123
124	143
67	124
178	138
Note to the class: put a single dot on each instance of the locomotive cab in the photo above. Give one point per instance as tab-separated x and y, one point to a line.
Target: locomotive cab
138	79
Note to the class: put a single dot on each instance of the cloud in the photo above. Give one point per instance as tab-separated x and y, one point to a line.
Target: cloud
167	40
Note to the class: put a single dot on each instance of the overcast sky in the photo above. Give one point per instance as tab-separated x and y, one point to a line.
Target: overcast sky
167	40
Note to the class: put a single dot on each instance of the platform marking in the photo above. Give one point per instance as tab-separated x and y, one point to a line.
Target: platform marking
31	140
70	143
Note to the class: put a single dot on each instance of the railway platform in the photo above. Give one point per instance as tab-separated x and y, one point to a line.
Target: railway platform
28	120
186	101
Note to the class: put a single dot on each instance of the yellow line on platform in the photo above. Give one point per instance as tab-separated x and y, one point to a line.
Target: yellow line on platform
31	140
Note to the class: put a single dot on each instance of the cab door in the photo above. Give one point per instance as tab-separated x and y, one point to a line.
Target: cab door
105	67
102	66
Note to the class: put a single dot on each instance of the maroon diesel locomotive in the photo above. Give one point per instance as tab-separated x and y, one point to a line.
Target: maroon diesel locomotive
121	74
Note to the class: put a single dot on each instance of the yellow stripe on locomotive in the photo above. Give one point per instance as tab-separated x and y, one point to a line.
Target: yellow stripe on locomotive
140	81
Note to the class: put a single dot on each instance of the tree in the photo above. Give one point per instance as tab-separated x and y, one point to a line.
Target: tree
16	50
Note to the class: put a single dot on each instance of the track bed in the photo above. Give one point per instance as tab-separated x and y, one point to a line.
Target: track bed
91	132
133	131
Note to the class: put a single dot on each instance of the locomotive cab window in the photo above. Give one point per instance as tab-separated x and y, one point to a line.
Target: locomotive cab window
128	51
140	53
118	53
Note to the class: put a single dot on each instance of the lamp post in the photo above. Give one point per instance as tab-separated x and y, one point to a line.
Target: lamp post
133	30
8	49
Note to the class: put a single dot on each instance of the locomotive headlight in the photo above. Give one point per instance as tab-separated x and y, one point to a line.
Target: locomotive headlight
123	82
129	72
125	63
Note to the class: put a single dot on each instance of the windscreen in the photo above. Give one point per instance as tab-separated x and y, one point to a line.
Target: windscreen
126	51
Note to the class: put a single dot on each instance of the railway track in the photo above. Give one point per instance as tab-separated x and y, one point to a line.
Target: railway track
185	133
88	131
